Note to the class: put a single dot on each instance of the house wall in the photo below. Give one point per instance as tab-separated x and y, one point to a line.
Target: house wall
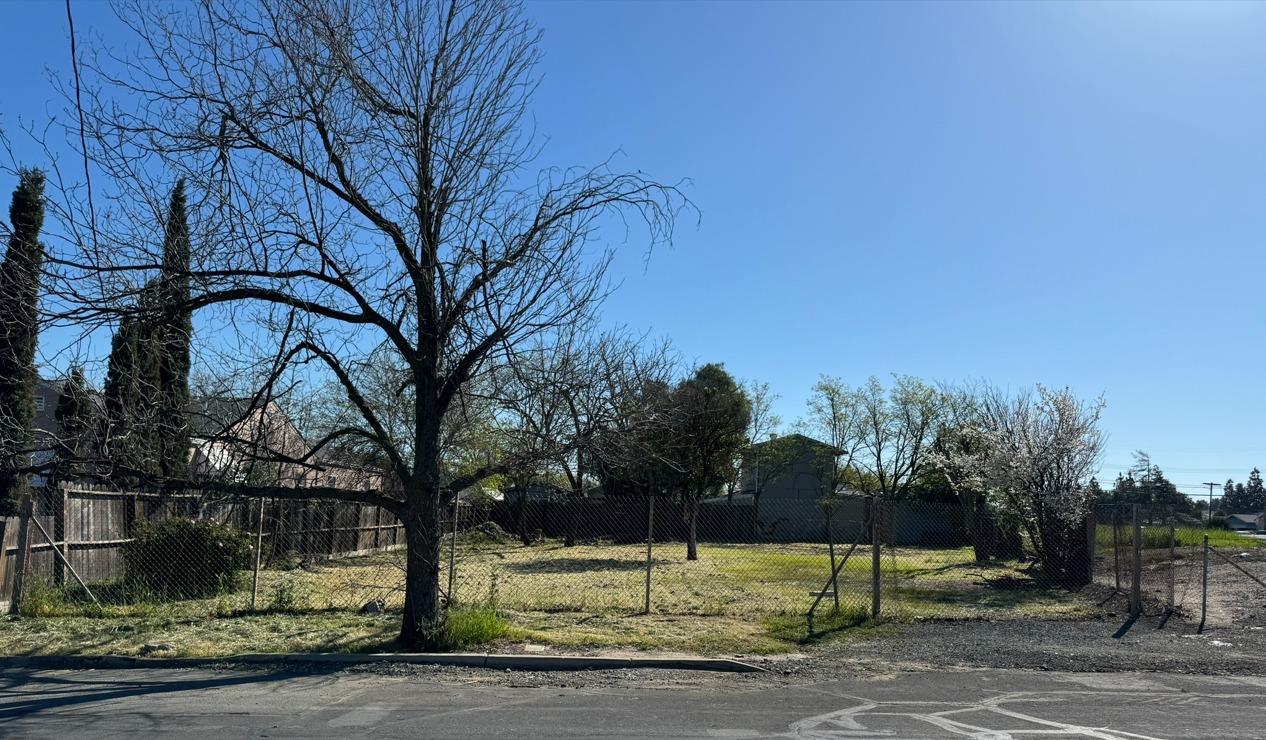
788	504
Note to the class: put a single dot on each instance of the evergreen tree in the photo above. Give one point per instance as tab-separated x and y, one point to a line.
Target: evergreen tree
173	337
19	328
76	422
1254	492
134	391
124	431
1245	499
1125	490
1161	491
1254	487
712	417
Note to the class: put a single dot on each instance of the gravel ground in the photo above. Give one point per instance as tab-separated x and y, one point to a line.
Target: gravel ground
1098	645
1089	646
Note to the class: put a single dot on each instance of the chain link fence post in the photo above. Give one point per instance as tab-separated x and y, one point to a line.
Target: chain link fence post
650	545
259	554
875	559
1173	561
1116	546
1204	585
452	552
1136	577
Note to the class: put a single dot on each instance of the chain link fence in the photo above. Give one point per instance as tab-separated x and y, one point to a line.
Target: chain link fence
1153	559
1233	581
545	558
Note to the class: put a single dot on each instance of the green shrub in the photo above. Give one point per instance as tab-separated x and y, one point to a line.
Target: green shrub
186	559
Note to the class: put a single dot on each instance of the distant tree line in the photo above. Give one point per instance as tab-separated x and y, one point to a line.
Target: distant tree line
1145	483
1244	498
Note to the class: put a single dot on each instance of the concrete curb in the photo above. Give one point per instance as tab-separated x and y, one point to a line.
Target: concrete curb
471	660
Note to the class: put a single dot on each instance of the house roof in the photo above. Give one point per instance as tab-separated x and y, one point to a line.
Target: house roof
211	417
799	439
1245	518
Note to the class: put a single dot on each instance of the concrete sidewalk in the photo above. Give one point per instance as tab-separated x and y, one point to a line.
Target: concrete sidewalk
978	704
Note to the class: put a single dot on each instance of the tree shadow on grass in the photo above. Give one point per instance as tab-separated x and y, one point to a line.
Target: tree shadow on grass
795	627
913	571
1021	593
577	565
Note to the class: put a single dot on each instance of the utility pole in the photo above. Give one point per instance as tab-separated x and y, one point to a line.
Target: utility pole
1209	516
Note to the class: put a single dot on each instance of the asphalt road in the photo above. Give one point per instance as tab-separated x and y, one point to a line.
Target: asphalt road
979	704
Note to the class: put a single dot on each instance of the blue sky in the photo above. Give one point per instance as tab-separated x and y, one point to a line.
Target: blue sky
1070	194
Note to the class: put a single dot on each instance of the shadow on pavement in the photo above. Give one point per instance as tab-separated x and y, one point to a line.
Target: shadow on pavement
19	696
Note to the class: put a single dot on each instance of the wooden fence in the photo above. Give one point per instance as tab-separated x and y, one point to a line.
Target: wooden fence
90	524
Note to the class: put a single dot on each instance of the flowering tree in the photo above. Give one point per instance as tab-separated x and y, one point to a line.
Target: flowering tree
1035	451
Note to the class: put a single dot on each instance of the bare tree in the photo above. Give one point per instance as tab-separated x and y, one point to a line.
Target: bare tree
358	190
835	417
895	429
764	422
566	395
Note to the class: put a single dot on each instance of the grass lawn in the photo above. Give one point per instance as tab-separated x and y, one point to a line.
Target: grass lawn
739	598
1156	537
201	636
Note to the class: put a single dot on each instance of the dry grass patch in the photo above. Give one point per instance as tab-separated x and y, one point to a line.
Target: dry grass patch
204	637
739	598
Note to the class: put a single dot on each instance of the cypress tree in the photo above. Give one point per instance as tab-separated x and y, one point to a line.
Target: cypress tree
174	335
134	391
75	424
147	384
122	396
19	305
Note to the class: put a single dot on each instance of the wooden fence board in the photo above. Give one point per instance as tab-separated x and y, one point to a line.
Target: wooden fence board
94	523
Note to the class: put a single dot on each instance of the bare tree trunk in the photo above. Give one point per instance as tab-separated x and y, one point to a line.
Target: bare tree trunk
421	628
692	529
521	518
980	525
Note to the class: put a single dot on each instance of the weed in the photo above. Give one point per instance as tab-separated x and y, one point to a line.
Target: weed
286	597
465	627
492	589
42	598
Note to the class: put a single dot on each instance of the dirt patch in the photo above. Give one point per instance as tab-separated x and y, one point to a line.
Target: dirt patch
1235	599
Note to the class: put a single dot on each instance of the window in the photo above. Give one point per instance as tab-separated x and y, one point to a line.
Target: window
39	404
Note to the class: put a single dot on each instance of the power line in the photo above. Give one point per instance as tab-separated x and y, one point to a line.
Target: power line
1211	485
83	140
